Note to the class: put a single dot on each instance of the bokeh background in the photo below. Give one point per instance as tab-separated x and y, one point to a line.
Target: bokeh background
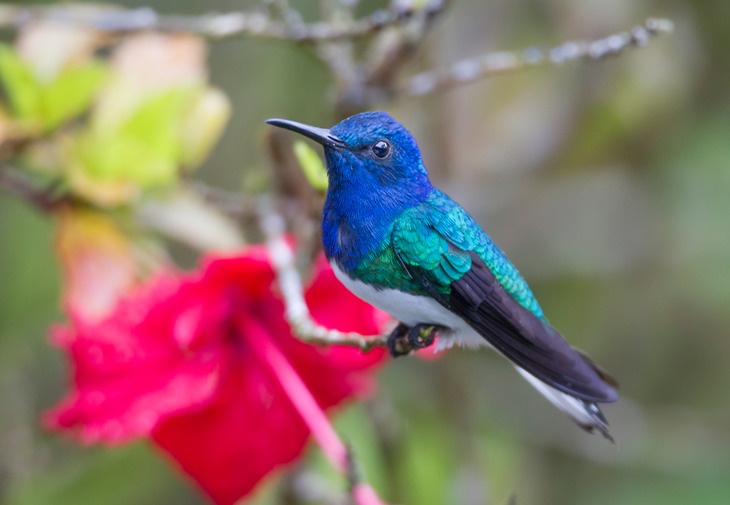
608	184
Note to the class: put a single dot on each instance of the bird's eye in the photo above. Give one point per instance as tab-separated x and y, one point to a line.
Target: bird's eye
381	149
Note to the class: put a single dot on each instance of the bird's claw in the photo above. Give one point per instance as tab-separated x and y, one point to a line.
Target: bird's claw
398	342
404	339
422	335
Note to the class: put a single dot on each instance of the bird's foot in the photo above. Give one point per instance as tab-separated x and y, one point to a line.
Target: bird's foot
398	342
404	339
422	335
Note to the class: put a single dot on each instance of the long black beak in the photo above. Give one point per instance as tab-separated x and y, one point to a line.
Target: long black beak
320	135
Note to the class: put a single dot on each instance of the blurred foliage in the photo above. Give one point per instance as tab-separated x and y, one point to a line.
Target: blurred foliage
43	106
149	121
607	184
312	165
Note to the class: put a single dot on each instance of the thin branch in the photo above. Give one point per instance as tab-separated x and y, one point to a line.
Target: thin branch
214	26
283	10
233	204
490	64
360	83
397	50
389	439
16	182
301	486
290	284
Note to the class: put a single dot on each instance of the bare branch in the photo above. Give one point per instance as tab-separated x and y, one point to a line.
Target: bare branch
233	204
393	50
16	182
301	486
362	81
290	284
490	64
215	26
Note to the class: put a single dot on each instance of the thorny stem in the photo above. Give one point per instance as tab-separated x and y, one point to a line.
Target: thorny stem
490	64
290	284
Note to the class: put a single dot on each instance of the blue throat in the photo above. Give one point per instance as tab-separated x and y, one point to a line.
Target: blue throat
362	203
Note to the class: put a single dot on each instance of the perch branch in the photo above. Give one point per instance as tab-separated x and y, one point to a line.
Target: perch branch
290	284
490	64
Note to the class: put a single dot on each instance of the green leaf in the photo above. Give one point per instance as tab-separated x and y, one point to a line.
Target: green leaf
312	165
203	126
145	148
71	93
110	164
23	91
48	106
154	129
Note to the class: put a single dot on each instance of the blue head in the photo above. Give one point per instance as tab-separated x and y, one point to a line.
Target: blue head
375	172
367	151
376	149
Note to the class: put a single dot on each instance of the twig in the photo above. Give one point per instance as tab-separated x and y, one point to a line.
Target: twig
289	180
361	83
301	486
214	26
398	49
490	64
290	284
283	10
389	439
233	204
16	182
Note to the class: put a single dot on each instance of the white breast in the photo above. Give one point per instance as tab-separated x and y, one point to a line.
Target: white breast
412	310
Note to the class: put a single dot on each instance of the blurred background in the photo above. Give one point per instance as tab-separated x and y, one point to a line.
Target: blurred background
607	184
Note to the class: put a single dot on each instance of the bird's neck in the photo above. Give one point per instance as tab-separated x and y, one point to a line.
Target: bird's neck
358	217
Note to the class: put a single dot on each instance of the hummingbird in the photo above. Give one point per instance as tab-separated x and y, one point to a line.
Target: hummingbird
404	246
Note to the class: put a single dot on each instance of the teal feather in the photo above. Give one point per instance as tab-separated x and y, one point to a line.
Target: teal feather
437	236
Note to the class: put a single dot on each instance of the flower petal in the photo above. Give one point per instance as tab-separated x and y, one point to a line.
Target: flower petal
173	360
130	370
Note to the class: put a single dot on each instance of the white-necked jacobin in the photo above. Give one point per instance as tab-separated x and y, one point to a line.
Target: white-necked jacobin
405	247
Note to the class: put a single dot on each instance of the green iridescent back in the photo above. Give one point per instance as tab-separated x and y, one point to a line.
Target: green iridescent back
436	236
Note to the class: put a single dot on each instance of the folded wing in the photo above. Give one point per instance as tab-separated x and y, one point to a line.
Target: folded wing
447	264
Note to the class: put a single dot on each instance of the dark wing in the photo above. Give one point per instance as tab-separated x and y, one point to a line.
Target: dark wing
461	281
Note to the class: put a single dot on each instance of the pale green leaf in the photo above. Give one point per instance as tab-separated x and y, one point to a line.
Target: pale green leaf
70	93
203	126
47	106
21	87
111	165
155	126
312	165
144	149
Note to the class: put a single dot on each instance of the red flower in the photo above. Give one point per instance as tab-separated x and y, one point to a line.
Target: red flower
172	361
